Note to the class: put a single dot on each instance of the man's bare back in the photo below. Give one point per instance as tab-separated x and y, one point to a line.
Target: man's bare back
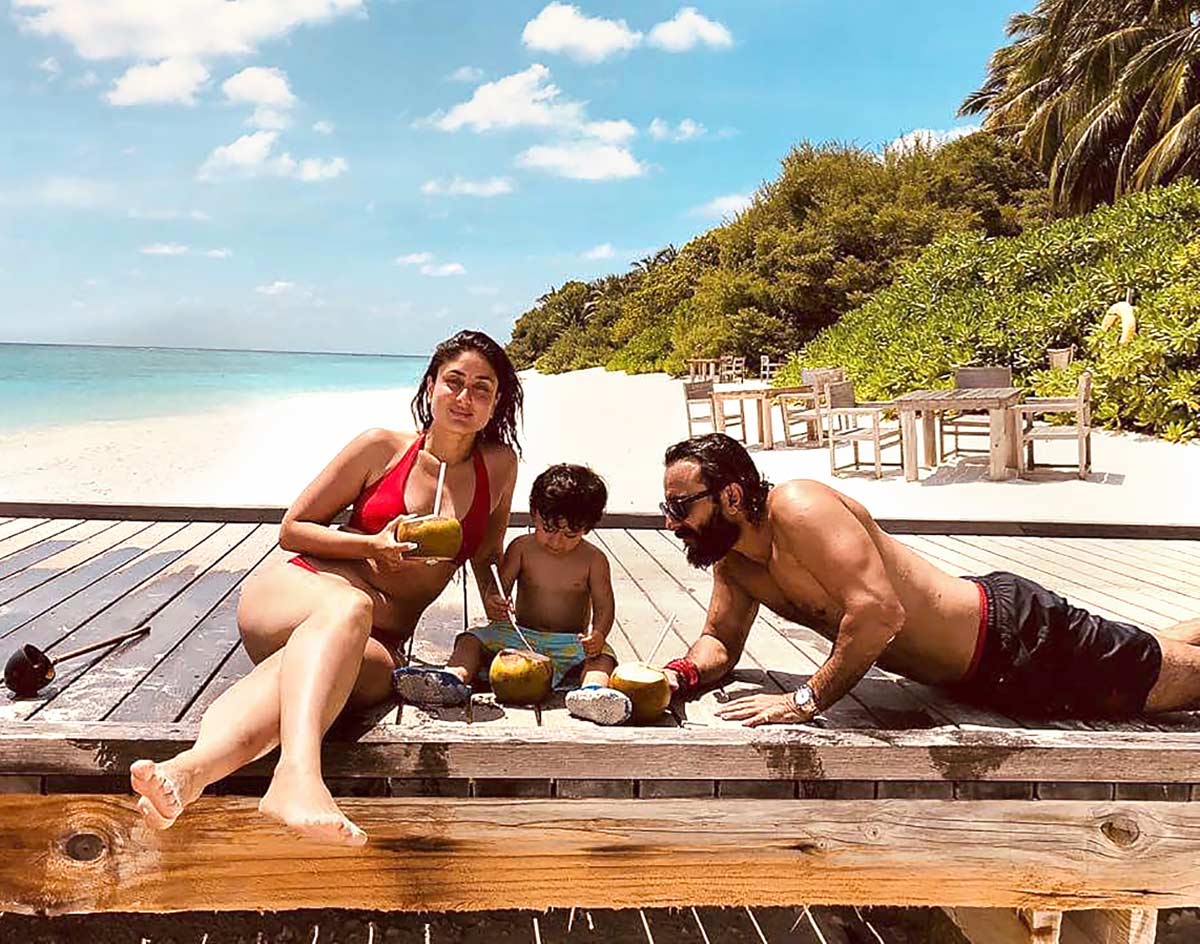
941	612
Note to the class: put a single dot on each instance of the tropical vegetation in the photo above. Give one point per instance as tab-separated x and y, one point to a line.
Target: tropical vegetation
971	300
1103	94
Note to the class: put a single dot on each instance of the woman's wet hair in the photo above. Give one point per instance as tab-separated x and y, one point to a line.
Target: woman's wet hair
573	495
724	461
510	397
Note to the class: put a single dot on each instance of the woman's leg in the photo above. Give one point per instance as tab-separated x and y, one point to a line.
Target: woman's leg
329	619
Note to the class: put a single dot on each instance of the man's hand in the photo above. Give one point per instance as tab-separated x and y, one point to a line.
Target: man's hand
593	643
672	679
753	710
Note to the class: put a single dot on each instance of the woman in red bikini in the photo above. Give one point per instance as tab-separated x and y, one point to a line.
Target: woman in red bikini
324	628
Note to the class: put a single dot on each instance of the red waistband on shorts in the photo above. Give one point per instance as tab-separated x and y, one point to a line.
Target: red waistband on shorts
981	638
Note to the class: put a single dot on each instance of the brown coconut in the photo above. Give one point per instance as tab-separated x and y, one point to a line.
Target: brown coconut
436	537
520	676
646	686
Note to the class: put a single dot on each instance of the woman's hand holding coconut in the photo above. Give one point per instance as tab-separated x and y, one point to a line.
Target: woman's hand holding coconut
387	552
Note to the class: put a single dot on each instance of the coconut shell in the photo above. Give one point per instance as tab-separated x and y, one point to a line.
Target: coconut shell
646	686
520	677
439	537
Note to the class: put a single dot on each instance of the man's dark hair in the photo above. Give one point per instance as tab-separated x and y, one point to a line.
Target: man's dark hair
572	494
724	461
502	427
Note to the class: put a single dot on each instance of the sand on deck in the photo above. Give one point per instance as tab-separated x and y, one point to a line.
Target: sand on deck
265	451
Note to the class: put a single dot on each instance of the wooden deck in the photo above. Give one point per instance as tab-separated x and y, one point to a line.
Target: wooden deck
65	582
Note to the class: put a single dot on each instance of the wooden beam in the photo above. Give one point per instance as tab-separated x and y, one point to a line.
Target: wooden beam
442	749
1007	925
1111	926
642	520
61	854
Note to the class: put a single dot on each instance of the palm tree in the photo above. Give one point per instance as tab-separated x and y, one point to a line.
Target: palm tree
1104	94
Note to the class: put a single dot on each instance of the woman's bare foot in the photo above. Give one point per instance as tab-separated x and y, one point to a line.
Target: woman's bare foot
304	804
163	791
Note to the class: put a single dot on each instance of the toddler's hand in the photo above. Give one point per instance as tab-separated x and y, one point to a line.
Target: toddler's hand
593	643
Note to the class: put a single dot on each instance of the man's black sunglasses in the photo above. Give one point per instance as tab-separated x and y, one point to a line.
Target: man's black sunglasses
677	508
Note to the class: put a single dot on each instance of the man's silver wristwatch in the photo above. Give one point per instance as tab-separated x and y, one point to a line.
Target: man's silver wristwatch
805	702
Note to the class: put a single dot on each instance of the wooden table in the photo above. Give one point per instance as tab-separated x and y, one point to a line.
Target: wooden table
1003	440
762	395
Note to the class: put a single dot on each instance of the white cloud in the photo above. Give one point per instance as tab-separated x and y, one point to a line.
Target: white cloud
563	28
582	161
50	66
269	119
259	85
87	80
928	138
164	249
444	269
731	204
414	258
523	99
465	74
172	80
78	192
614	132
252	155
196	215
313	169
686	130
687	29
276	288
187	29
603	251
323	127
461	187
221	253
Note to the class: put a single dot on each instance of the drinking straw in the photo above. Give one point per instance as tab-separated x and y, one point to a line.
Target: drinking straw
437	496
666	629
511	622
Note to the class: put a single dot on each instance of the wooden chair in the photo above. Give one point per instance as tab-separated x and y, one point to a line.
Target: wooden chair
971	422
1060	357
767	366
809	408
733	369
853	422
701	408
1081	430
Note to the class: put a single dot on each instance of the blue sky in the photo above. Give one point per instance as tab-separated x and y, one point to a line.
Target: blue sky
371	175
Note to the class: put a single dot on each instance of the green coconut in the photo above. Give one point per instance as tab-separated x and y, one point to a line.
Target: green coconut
436	537
520	676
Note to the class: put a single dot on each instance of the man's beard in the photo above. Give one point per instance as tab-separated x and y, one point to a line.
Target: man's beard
710	542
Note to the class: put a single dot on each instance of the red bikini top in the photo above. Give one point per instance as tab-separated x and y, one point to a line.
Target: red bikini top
383	500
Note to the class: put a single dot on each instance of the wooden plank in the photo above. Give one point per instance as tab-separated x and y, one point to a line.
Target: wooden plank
13	526
104	549
1111	926
27	548
62	854
780	752
178	679
174	601
1007	925
35	590
1147	569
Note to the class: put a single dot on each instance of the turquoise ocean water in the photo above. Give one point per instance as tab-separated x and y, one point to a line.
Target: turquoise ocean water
49	385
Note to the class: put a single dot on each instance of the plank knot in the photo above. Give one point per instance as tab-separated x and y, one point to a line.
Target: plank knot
84	847
1121	831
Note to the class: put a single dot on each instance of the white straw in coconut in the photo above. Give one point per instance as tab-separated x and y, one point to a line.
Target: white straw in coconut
666	629
511	622
437	496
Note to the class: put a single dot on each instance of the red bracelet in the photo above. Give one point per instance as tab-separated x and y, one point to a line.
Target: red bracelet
689	675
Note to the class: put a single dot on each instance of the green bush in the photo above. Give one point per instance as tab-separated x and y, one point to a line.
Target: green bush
972	300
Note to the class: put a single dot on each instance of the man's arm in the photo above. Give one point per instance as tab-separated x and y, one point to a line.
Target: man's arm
731	612
812	524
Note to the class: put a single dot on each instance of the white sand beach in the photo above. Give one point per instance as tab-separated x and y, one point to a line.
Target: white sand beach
264	452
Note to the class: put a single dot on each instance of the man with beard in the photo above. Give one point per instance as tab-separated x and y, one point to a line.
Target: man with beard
817	557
